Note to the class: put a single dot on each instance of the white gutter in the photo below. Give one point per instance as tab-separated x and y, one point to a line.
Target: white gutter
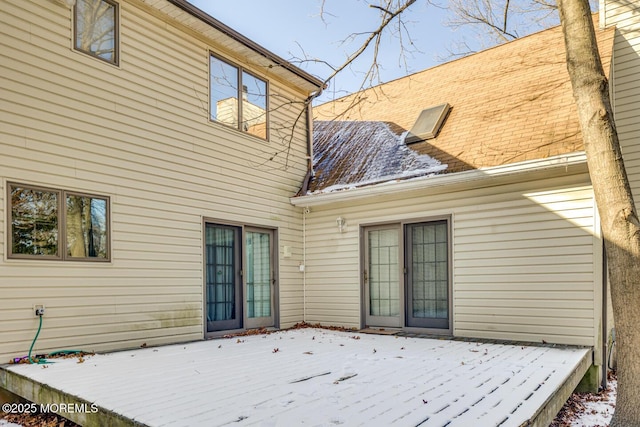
472	178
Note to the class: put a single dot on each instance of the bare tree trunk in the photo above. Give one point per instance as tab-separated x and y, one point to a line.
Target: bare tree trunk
620	226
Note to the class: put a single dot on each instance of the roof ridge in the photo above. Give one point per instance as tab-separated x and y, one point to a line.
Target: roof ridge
595	17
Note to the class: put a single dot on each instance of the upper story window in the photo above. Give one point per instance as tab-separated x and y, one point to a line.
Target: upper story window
229	84
54	224
96	29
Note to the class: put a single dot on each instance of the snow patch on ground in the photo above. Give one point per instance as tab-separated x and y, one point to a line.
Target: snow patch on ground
589	409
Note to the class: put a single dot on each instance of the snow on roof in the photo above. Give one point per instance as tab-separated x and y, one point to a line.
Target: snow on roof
349	154
511	103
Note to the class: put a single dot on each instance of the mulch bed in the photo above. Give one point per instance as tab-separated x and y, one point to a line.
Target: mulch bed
39	420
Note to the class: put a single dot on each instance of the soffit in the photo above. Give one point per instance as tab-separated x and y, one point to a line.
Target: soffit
226	39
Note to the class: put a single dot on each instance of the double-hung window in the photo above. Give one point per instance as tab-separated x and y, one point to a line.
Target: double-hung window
237	98
46	223
96	29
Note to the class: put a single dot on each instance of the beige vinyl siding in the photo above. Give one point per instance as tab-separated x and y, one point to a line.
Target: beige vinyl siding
523	259
626	83
140	135
332	270
524	268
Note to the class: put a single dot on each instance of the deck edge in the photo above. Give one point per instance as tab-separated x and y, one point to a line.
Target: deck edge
550	408
90	415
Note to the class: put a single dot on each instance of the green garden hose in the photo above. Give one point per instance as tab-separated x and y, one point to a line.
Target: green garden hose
55	353
41	361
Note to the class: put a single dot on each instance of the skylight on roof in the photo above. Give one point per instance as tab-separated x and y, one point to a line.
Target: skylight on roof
428	124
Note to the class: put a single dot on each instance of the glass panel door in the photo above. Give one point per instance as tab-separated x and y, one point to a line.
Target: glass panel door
427	252
259	277
382	277
222	278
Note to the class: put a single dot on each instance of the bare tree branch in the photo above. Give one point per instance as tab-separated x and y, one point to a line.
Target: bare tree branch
373	36
506	15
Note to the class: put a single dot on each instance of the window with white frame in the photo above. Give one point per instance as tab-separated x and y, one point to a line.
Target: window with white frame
237	98
47	223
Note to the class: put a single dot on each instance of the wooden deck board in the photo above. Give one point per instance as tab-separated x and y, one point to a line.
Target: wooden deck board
311	376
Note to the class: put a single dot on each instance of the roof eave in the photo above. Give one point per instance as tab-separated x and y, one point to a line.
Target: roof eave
564	164
209	20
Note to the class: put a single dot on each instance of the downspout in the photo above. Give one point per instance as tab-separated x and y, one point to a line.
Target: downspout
606	349
310	171
303	191
305	211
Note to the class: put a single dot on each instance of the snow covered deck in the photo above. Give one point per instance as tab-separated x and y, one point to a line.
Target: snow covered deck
310	377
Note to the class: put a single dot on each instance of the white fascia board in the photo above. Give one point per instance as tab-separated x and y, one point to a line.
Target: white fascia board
484	177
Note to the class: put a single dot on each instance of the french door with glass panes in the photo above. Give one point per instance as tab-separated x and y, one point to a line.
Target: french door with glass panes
427	274
259	278
406	277
382	276
240	279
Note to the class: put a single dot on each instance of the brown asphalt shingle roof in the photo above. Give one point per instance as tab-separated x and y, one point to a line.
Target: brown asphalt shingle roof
510	103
